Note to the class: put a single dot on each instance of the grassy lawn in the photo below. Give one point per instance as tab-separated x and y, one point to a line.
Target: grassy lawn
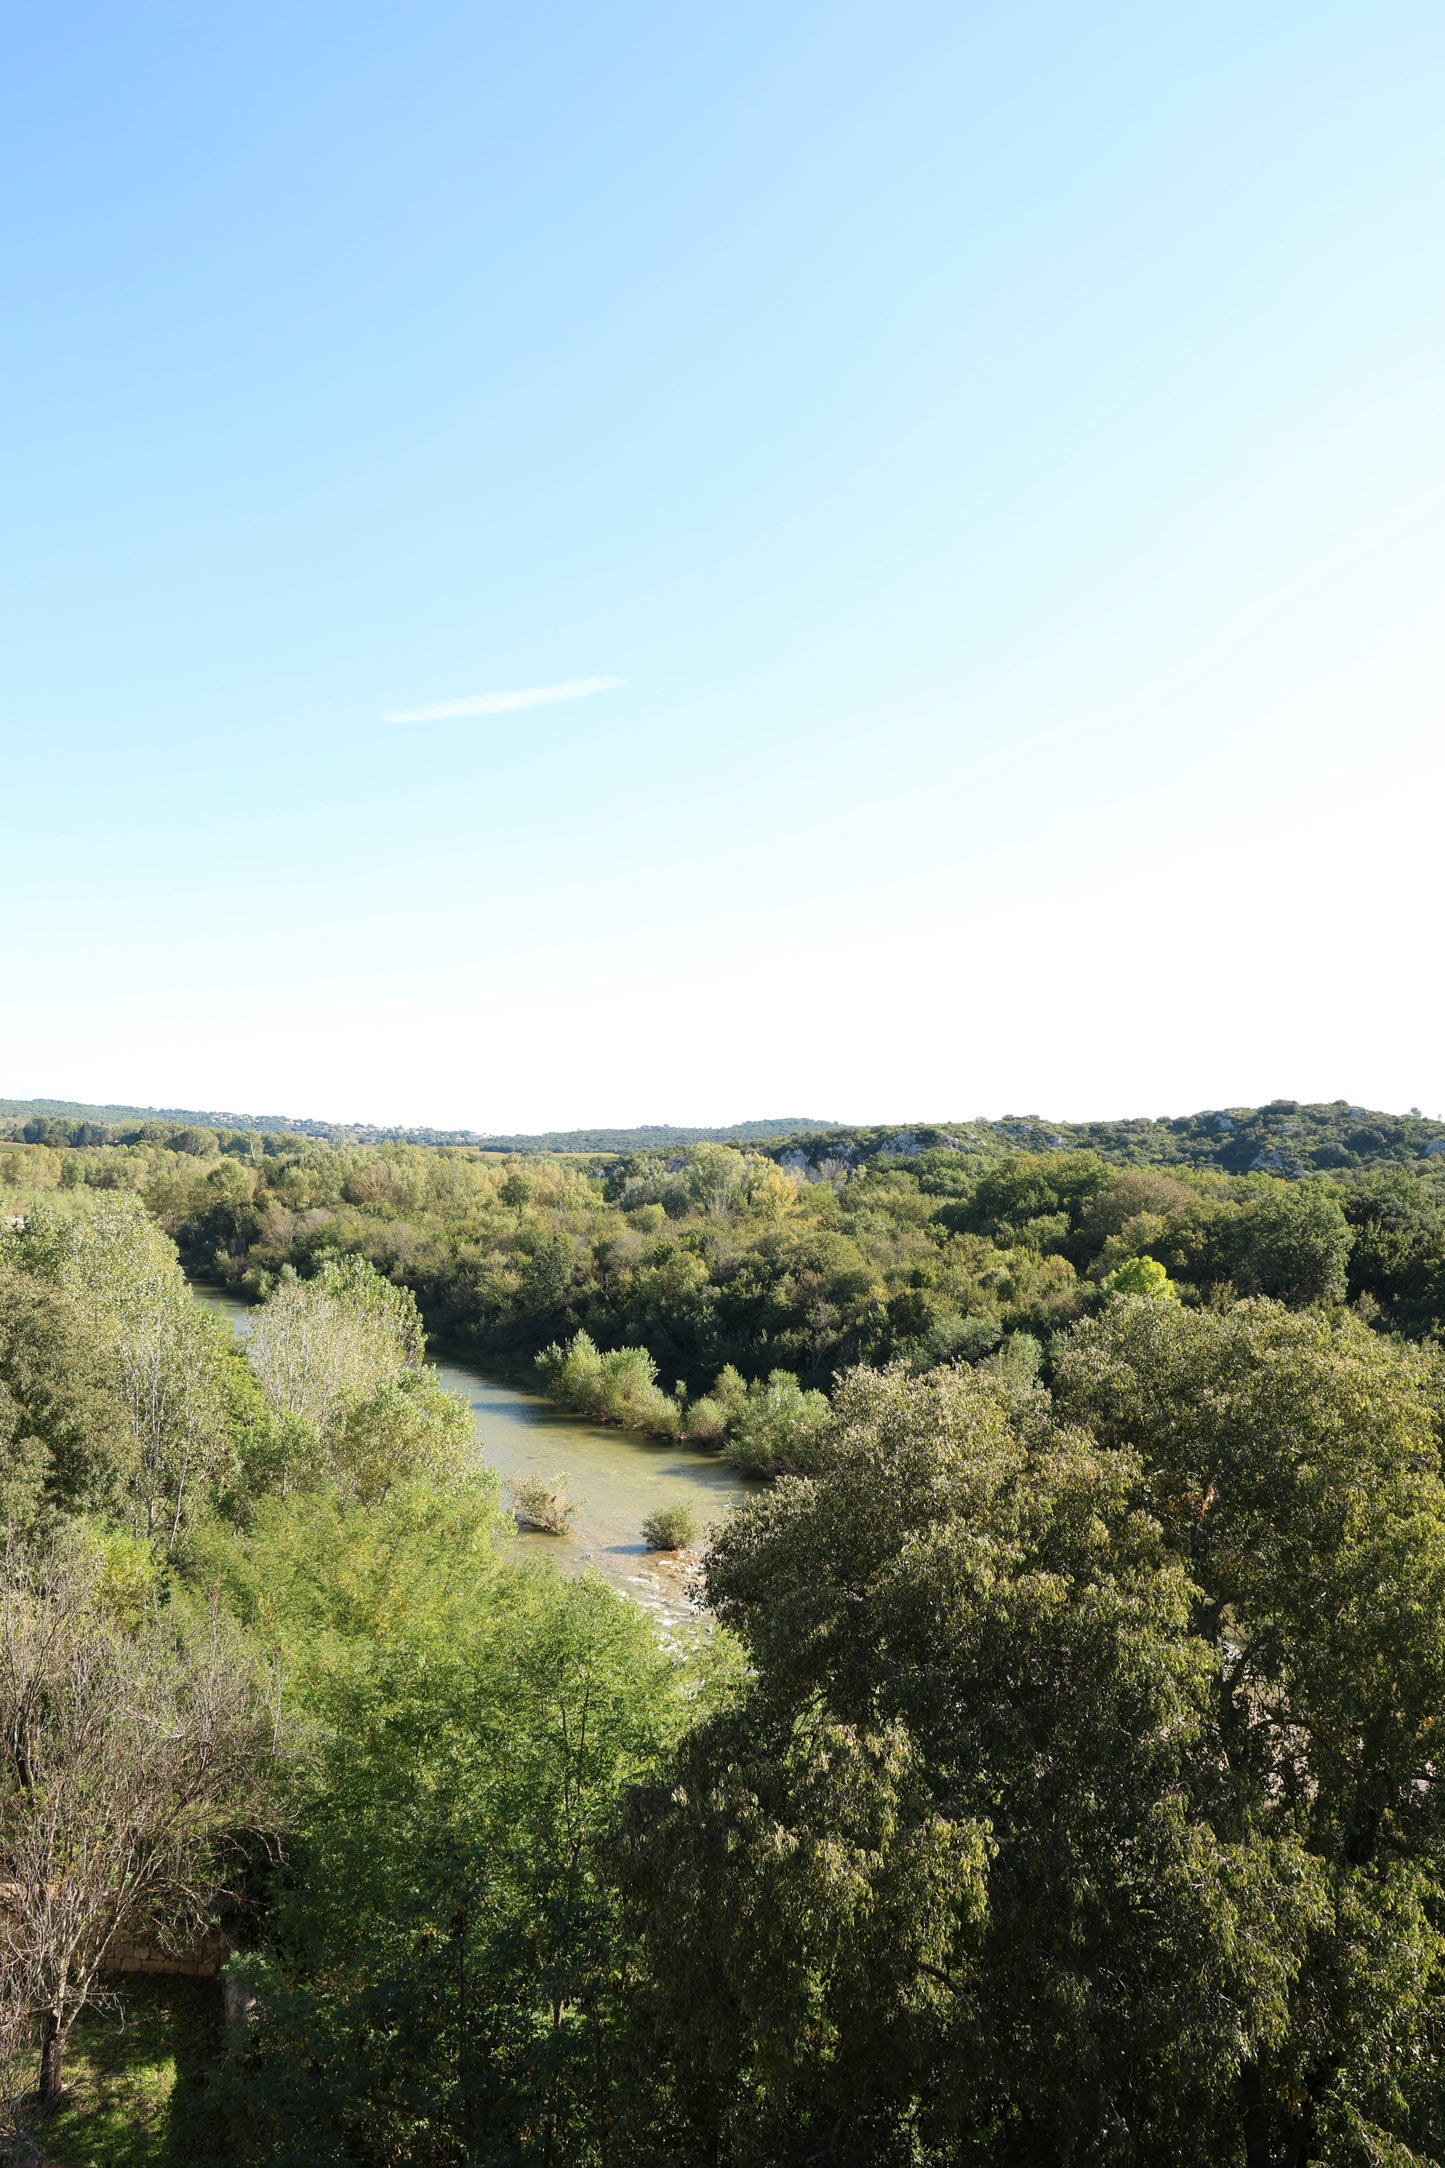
133	2086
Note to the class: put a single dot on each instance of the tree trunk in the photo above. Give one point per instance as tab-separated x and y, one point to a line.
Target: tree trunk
1254	2116
52	2048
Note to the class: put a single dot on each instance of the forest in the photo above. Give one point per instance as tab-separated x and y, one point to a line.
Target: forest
1053	1778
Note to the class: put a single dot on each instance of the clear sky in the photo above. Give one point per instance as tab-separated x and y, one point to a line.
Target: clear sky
996	452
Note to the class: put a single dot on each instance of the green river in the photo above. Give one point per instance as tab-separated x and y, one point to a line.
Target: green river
617	1477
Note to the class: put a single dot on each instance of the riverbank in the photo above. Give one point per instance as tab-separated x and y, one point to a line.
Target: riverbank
616	1477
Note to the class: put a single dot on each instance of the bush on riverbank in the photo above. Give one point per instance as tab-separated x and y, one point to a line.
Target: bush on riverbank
618	1387
764	1428
774	1428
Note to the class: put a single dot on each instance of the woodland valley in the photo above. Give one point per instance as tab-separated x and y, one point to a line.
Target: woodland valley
1046	1774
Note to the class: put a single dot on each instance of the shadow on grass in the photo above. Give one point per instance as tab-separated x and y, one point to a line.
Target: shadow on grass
134	2081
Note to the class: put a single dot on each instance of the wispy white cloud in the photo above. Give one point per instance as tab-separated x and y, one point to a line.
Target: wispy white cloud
534	696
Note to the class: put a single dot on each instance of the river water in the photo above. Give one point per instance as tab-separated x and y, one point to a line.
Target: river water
616	1477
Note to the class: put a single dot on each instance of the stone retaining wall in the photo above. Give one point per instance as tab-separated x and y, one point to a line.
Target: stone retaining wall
198	1960
201	1960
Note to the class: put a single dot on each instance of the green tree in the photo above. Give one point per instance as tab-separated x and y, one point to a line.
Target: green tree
1084	1807
317	1345
1398	1258
1141	1276
199	1143
340	1362
1294	1465
1293	1243
443	1979
1030	1186
65	1444
167	1360
409	1429
548	1272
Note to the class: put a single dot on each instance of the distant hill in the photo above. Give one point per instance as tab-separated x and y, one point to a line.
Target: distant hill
1287	1137
79	1110
653	1137
650	1136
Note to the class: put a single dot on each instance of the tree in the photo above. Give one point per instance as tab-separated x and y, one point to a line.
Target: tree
1294	1464
111	1280
444	1980
33	1169
1141	1276
1139	1189
64	1438
408	1430
548	1272
316	1344
1398	1258
1085	1805
340	1361
128	1757
199	1143
1032	1186
716	1177
1293	1243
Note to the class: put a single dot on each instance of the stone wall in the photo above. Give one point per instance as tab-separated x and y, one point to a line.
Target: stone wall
200	1960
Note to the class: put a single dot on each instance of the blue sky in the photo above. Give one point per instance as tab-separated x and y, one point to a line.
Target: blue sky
996	452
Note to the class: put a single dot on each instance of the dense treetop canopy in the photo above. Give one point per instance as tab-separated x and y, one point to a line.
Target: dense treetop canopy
1086	1807
1058	1785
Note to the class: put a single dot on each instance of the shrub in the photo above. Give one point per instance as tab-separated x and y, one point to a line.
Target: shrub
541	1502
671	1528
771	1429
777	1428
619	1387
632	1395
706	1420
571	1375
